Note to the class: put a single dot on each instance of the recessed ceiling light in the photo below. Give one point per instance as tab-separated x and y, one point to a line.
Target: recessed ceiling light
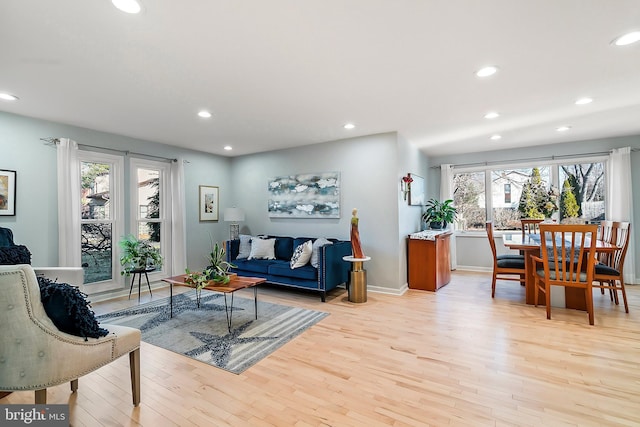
349	126
496	137
584	101
204	114
228	147
628	38
127	6
8	97
487	71
491	115
563	128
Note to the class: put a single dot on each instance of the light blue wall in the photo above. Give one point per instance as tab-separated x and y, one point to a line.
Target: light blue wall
36	221
369	177
472	250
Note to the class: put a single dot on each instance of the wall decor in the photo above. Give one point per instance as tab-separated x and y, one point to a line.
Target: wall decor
311	195
209	207
7	192
416	192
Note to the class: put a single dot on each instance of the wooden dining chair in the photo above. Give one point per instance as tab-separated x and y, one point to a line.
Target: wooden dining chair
610	275
606	233
567	259
530	226
504	266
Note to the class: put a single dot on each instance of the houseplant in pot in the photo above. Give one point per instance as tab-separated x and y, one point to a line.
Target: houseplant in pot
218	269
138	255
438	214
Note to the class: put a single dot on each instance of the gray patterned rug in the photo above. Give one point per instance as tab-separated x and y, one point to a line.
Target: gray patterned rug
202	334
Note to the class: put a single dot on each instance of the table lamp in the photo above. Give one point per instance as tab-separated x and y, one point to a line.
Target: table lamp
234	215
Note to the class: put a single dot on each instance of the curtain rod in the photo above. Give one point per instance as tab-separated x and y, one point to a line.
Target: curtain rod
532	159
54	141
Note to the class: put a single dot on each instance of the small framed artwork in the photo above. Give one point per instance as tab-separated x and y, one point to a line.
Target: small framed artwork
416	193
209	203
7	192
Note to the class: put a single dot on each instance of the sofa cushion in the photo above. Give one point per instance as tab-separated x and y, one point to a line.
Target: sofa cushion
254	266
262	248
68	309
316	248
245	246
301	255
282	268
284	248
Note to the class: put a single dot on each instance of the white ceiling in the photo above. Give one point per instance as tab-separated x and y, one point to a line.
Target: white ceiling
284	73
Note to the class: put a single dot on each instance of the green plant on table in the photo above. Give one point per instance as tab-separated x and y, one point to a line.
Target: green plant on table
138	255
218	269
438	214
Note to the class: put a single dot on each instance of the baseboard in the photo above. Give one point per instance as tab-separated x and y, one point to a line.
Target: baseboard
387	291
475	268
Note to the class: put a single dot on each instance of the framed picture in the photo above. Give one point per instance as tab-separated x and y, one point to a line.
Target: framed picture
7	192
416	192
309	195
209	203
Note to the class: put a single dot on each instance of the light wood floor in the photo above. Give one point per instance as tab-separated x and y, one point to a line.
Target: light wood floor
451	358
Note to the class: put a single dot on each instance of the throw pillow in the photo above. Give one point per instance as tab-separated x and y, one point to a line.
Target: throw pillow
301	255
262	248
68	309
316	247
245	246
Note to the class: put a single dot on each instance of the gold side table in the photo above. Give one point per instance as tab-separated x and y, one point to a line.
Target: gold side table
357	286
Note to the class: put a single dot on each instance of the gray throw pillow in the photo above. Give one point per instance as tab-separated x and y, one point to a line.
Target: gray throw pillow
245	246
316	247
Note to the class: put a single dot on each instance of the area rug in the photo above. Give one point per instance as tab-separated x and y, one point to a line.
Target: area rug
202	333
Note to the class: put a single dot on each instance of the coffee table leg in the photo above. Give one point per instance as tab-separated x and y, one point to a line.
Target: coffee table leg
228	311
255	300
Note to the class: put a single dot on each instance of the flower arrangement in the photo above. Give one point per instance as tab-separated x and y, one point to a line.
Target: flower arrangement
406	185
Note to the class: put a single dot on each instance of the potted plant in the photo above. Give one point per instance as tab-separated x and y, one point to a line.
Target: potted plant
138	255
218	269
438	214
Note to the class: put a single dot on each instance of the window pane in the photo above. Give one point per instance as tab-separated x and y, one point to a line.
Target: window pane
506	194
96	247
95	190
469	199
149	193
149	231
583	184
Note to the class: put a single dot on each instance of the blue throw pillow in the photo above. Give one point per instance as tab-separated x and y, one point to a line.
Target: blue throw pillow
68	309
16	254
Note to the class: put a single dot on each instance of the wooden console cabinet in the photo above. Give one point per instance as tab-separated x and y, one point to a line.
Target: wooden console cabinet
429	262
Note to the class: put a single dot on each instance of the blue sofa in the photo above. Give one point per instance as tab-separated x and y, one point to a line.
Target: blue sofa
332	269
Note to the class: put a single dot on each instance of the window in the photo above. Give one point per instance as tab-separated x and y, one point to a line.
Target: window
100	219
581	187
149	181
469	198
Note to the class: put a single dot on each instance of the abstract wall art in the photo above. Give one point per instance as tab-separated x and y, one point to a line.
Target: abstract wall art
311	195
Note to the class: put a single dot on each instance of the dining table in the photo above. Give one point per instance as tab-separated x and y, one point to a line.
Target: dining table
529	244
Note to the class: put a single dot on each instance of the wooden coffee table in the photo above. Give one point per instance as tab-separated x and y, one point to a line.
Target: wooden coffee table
236	283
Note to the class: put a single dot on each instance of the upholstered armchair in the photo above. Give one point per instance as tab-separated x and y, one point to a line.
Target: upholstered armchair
35	355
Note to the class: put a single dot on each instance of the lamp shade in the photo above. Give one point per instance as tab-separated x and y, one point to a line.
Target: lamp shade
233	214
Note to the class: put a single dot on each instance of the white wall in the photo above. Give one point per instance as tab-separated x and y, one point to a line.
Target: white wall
369	181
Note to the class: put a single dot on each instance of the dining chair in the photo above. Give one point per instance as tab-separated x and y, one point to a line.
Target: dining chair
530	226
606	233
566	261
504	266
609	274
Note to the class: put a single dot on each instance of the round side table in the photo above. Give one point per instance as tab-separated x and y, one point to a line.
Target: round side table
357	285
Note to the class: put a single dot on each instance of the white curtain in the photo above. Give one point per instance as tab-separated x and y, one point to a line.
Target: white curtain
620	201
68	204
179	242
446	192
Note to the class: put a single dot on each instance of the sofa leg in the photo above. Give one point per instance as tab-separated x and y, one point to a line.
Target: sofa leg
323	296
74	385
134	367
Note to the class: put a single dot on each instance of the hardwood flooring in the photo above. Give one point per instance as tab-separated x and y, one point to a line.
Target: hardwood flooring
451	358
